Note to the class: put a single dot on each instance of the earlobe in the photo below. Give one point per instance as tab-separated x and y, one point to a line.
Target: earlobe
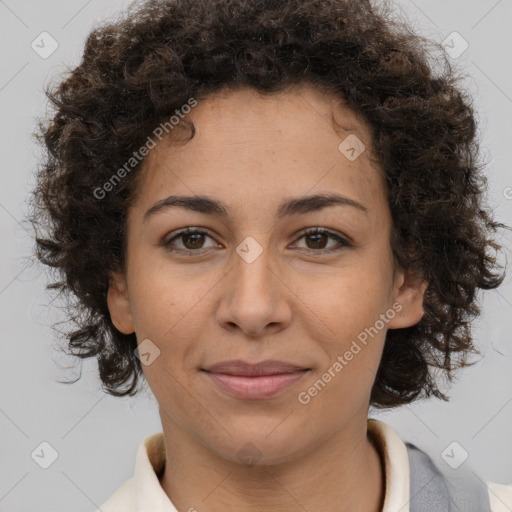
409	293
119	304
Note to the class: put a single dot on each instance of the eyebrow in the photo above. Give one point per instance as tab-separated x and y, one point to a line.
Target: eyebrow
293	206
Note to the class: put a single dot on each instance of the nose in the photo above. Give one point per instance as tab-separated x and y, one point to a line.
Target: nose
255	297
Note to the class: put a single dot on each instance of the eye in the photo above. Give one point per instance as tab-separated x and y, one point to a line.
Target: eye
193	240
319	237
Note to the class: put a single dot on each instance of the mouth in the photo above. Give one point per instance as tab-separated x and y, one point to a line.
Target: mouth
254	381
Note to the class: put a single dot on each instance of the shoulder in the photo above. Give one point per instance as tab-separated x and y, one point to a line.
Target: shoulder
500	497
143	486
413	477
122	500
465	489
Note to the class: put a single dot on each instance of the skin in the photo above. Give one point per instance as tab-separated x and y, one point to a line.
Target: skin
295	303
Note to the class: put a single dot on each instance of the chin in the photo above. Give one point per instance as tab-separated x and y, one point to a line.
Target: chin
260	444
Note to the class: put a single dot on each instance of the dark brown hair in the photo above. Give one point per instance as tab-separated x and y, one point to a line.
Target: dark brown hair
138	70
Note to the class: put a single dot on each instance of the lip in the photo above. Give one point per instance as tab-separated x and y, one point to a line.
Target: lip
254	381
267	367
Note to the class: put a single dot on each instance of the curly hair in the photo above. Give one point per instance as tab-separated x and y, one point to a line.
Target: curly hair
137	70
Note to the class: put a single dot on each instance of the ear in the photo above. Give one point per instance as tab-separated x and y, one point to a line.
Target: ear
408	291
119	304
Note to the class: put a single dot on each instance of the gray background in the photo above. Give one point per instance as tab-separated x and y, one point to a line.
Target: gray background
96	436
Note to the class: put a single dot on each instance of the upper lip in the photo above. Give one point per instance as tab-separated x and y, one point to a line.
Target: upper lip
268	367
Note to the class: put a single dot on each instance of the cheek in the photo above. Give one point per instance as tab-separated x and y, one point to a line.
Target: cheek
162	297
171	310
354	310
352	345
350	298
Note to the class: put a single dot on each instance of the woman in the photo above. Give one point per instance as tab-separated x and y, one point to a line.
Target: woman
272	212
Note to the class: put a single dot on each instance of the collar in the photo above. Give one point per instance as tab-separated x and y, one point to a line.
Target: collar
395	460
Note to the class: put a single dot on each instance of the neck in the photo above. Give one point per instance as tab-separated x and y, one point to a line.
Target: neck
343	473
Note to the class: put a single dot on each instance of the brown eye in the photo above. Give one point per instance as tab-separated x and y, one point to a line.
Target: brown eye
195	239
191	239
318	239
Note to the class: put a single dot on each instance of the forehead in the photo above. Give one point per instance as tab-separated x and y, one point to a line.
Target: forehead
249	146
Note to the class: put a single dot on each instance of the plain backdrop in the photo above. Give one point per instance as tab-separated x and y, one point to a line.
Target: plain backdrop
95	436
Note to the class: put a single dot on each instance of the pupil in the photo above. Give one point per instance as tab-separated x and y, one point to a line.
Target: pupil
318	241
193	235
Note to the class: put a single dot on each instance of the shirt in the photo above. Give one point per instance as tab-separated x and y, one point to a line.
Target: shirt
143	492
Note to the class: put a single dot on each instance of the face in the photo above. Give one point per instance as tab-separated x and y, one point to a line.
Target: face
260	281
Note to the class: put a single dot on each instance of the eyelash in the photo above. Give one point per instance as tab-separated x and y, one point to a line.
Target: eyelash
310	231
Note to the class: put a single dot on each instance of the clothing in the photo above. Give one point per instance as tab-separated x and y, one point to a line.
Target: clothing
412	482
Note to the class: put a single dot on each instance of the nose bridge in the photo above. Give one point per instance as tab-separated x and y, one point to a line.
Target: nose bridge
252	297
252	269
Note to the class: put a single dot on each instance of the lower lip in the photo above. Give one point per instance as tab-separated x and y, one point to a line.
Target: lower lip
254	388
